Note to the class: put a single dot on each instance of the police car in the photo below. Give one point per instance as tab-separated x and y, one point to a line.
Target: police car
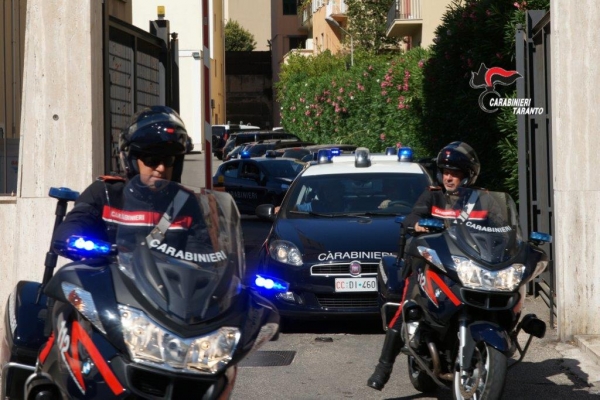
322	259
255	181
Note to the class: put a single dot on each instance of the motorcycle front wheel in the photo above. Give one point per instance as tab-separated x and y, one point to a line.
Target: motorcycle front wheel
486	381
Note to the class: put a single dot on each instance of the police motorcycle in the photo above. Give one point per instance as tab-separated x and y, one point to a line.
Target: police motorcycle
161	314
461	289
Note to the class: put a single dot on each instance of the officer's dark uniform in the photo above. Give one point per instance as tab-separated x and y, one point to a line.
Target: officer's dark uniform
110	202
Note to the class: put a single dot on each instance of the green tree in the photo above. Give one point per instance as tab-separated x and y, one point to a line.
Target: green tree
237	38
368	19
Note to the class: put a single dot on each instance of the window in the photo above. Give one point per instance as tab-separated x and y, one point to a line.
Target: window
290	7
297	42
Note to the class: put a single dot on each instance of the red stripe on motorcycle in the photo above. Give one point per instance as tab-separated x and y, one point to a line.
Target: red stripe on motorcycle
399	311
47	347
434	277
109	377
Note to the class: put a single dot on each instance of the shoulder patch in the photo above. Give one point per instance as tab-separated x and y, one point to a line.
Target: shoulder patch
434	188
111	178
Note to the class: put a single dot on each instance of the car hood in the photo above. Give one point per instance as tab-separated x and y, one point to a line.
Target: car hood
340	239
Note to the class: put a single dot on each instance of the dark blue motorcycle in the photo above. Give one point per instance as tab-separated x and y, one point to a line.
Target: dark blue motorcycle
460	289
161	314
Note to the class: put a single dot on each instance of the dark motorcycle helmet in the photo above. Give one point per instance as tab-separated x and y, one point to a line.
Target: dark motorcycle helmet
459	156
156	130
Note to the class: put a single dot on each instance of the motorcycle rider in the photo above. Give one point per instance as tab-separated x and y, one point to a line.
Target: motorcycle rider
148	147
458	167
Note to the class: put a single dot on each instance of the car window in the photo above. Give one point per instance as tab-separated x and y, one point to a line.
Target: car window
358	193
250	170
230	170
283	168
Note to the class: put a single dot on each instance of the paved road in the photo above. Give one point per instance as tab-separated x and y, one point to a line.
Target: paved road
332	360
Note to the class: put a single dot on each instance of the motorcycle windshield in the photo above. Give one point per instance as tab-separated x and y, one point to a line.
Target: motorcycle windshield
182	248
485	225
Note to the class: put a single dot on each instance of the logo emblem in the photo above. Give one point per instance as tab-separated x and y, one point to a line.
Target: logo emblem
355	268
488	78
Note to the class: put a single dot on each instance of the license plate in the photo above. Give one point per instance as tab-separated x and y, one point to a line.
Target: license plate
356	284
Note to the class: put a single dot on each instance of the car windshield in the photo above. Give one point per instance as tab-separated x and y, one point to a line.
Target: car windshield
183	253
356	193
484	224
283	168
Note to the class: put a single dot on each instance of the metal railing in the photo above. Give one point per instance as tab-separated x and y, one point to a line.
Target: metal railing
336	7
403	10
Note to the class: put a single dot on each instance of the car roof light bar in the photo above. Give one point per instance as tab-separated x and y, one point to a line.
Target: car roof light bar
362	158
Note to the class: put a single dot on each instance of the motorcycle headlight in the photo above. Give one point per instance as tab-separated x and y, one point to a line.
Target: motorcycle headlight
152	345
285	252
475	277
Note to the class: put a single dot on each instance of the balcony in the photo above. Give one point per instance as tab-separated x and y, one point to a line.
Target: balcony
337	9
404	18
305	18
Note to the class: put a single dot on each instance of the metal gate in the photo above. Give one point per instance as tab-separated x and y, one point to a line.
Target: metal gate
140	70
535	142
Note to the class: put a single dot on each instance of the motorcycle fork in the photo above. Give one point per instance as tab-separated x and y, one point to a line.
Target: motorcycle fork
466	347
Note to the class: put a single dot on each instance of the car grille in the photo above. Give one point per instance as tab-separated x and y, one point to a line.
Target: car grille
348	300
342	269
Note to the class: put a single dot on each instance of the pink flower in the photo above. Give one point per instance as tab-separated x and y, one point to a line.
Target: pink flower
384	92
382	136
420	64
307	113
341	90
370	68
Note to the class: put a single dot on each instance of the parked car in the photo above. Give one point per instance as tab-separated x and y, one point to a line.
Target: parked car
257	149
327	257
309	152
256	181
220	134
236	139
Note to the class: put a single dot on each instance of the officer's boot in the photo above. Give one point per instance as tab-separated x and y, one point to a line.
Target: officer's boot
391	347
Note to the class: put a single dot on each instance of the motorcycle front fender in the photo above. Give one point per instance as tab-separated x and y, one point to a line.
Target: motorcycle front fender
492	334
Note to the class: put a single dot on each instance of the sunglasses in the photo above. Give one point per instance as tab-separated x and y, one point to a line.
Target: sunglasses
154	161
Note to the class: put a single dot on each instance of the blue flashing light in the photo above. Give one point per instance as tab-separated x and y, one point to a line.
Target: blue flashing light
63	193
540	237
324	156
390	151
335	152
405	154
431	223
271	284
245	154
86	246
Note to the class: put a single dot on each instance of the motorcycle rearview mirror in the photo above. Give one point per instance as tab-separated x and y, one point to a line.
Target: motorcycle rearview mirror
538	238
432	223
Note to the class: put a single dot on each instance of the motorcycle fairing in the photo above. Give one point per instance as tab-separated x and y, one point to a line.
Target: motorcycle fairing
486	332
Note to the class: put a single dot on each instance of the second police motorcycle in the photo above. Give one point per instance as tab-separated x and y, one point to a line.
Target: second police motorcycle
461	288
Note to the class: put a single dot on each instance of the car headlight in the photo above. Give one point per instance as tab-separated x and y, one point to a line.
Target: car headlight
285	252
152	345
475	277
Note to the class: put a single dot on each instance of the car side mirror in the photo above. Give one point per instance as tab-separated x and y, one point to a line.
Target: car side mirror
266	212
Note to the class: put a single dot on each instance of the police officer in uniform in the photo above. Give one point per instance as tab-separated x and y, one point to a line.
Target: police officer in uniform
458	166
148	147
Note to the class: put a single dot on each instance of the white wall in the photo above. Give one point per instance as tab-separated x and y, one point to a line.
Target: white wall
576	144
185	18
61	129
